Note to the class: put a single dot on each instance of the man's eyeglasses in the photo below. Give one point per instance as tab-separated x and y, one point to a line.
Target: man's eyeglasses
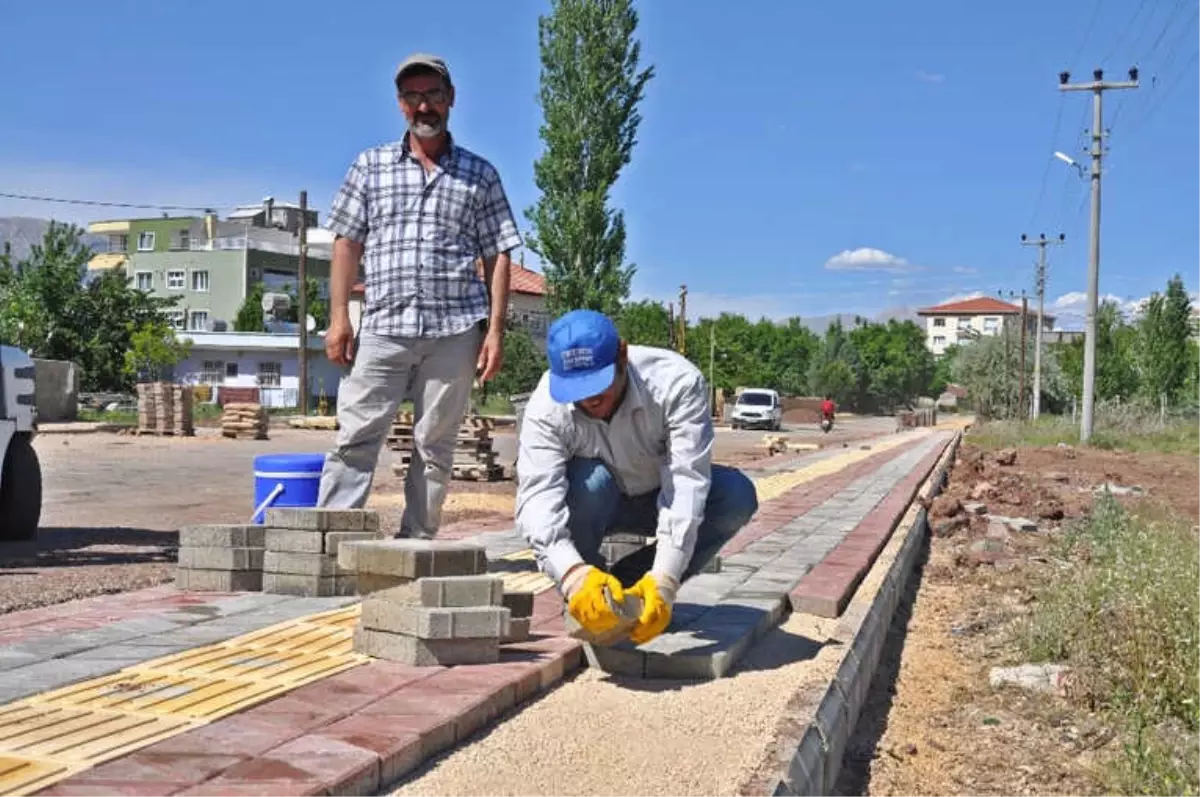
413	99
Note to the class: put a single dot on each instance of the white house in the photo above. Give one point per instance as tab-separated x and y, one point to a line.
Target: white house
268	361
957	323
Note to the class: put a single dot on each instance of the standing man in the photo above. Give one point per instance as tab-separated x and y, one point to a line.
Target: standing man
620	437
417	213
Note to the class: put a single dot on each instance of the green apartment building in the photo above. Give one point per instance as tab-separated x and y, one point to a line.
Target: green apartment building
211	265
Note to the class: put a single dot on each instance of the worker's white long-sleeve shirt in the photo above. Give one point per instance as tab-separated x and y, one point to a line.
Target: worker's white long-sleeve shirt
660	436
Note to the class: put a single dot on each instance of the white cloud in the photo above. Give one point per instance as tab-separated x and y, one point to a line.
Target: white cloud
1070	309
965	270
930	77
866	259
962	297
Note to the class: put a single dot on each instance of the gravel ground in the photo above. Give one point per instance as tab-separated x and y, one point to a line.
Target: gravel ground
601	735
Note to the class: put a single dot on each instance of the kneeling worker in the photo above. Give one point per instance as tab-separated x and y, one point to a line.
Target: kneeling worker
619	438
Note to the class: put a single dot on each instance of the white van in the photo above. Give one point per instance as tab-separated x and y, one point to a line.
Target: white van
757	408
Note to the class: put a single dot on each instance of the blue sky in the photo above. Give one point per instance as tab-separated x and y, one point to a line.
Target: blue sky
912	139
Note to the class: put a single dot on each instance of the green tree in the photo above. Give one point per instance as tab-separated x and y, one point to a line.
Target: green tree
1116	351
523	365
943	368
899	367
990	369
250	314
46	309
590	90
645	323
837	369
153	350
1163	334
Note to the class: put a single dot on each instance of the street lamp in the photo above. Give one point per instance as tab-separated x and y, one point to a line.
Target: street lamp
1067	159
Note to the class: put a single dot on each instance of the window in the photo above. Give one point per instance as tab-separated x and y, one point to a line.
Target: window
175	279
990	324
144	281
118	242
939	322
964	323
231	370
200	280
939	340
269	374
198	321
211	372
176	319
185	237
145	242
756	399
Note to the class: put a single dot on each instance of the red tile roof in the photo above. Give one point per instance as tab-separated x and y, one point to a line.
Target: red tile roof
983	305
521	280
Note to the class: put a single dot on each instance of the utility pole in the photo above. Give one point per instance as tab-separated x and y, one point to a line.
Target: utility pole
1021	405
712	367
1041	243
302	293
1097	86
683	320
671	325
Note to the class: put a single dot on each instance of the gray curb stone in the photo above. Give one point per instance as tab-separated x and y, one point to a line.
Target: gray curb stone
813	757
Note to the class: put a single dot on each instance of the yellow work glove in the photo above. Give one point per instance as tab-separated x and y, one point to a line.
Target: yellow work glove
584	591
657	592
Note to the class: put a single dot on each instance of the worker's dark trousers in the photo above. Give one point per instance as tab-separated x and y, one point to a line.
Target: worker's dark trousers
597	508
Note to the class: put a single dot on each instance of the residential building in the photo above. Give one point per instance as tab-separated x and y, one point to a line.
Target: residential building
268	361
212	265
127	236
957	323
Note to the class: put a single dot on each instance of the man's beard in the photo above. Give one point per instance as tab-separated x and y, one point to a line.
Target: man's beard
427	125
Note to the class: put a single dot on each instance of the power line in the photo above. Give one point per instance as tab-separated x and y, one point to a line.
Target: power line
1037	206
1087	31
1159	101
1124	31
99	203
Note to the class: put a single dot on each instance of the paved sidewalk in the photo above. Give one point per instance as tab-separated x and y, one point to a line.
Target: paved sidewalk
363	727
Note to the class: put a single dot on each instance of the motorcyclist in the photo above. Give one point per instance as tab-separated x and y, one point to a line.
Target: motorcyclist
828	409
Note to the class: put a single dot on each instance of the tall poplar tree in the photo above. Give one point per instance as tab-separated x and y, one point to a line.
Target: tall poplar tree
590	89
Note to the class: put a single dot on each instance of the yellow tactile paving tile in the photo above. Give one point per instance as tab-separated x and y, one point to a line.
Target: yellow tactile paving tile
775	485
53	735
19	775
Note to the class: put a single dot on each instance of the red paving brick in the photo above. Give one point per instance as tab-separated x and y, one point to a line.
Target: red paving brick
81	786
339	767
827	588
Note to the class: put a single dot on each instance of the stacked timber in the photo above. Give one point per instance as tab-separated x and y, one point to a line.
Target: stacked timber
474	456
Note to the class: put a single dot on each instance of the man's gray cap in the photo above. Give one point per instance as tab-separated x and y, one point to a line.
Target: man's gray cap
424	61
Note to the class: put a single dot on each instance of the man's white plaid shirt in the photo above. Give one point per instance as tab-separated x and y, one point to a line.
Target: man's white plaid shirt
421	236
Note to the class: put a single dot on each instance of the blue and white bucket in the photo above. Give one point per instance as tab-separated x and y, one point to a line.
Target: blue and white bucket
286	480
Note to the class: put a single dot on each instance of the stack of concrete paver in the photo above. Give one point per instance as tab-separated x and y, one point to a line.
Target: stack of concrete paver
244	420
165	408
474	456
435	603
220	558
302	549
520	615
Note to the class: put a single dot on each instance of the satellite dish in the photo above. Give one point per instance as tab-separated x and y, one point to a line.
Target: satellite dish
310	323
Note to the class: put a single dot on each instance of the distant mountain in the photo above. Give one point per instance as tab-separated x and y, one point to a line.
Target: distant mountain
23	232
820	323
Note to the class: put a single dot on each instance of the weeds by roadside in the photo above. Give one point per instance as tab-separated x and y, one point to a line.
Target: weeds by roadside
1126	618
1118	427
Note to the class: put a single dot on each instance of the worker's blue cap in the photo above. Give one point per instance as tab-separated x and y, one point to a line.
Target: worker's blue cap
582	347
